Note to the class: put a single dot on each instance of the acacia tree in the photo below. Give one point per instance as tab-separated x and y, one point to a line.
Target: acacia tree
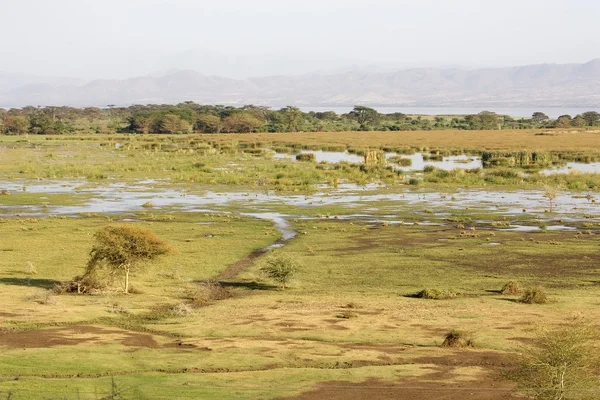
123	248
562	364
539	117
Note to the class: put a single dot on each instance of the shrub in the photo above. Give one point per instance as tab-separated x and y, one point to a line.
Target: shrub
435	294
180	309
535	295
306	157
512	288
561	364
414	181
281	269
207	292
457	339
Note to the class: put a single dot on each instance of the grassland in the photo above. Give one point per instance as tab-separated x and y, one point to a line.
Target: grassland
349	326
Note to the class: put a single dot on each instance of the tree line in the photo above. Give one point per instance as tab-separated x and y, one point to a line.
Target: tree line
189	117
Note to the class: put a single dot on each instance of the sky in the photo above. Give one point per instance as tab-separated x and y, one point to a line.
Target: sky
91	39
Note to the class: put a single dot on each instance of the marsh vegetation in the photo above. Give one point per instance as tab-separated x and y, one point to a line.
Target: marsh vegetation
395	272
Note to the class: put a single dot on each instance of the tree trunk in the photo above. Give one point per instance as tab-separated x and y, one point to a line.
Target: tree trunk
127	279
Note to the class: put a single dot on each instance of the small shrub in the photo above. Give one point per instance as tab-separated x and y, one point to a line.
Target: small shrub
208	292
347	315
148	204
30	268
414	181
512	288
306	157
435	294
181	309
535	295
458	339
281	269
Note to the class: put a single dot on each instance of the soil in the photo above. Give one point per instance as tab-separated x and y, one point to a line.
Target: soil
72	335
433	386
239	266
411	389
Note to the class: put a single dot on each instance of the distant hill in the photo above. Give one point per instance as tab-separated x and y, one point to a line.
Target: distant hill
566	85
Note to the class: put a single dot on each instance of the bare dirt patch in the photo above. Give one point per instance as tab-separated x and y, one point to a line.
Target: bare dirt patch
74	335
411	389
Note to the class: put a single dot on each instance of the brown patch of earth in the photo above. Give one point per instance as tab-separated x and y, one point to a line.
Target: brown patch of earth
411	389
73	335
387	349
339	328
8	314
434	386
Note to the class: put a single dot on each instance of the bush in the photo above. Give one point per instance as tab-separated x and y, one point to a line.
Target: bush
561	364
306	157
208	292
512	288
414	181
281	269
435	294
535	295
457	339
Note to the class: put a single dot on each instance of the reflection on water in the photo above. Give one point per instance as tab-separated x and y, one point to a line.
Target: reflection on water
591	168
417	160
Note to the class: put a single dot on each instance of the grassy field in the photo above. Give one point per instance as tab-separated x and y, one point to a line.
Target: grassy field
348	327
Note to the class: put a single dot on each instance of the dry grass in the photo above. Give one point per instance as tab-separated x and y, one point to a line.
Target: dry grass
482	140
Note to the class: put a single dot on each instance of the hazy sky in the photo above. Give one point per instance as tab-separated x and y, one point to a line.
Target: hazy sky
122	38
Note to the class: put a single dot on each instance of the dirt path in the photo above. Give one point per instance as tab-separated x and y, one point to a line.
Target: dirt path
239	266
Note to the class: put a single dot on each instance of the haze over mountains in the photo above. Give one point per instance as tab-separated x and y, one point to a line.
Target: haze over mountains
561	85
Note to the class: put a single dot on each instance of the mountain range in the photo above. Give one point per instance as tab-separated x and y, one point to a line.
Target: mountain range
548	85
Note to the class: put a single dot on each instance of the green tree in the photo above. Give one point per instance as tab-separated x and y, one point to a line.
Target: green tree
281	269
123	248
241	122
141	122
564	121
365	115
489	120
292	117
171	123
578	122
591	118
539	117
562	364
16	124
209	123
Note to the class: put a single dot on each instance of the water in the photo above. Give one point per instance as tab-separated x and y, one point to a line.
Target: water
120	198
418	163
591	168
517	112
448	163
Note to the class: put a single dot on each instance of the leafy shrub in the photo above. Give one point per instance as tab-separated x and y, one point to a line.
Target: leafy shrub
535	295
281	269
562	364
512	288
435	294
208	292
306	157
